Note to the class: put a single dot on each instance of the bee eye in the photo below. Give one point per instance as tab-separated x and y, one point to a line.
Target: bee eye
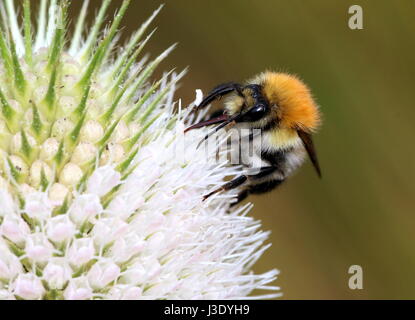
255	113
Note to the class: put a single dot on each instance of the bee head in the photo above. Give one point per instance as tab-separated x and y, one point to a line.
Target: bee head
271	101
275	102
248	105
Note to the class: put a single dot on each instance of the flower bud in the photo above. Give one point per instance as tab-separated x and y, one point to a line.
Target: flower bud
80	252
125	292
10	265
134	127
60	229
92	131
49	149
70	175
41	64
84	152
19	165
39	93
96	90
67	104
16	145
121	132
57	193
71	67
141	271
24	188
16	106
38	248
15	229
94	108
30	77
28	286
57	273
107	230
124	248
6	295
3	183
38	205
70	83
3	126
61	128
8	206
36	173
125	204
78	289
84	208
113	153
103	180
102	273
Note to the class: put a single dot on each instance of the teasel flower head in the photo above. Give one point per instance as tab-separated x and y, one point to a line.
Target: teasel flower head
95	201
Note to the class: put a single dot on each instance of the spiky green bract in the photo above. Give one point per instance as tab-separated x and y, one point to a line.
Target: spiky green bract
71	99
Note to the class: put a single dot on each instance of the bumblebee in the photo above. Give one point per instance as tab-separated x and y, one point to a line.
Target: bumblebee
282	107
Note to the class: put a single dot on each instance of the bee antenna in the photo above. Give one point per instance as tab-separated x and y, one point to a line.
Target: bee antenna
220	91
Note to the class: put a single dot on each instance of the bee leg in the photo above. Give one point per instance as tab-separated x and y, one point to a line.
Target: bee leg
259	187
236	182
264	186
263	172
219	91
240	197
256	189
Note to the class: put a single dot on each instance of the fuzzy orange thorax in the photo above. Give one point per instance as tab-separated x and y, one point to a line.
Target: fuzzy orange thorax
296	108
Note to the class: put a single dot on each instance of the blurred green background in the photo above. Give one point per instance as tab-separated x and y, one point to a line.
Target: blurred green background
363	210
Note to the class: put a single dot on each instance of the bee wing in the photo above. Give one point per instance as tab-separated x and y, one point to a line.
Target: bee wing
220	91
309	146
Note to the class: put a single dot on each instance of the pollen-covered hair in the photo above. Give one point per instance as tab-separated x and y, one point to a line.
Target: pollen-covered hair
291	99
